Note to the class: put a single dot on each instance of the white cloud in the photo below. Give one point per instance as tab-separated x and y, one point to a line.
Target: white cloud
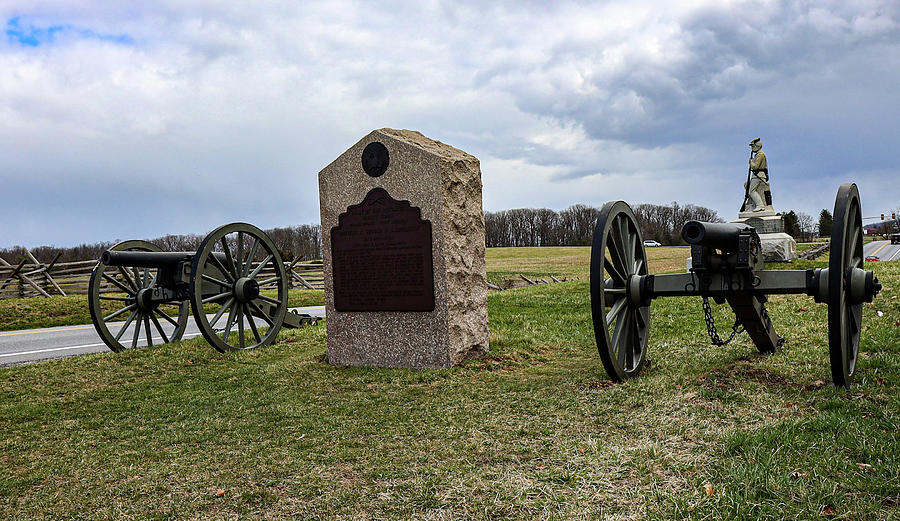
220	111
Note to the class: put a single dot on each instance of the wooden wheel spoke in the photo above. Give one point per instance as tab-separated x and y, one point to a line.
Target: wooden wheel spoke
222	310
118	284
261	314
638	264
147	327
615	310
627	240
259	268
207	300
270	300
229	323
240	321
268	281
616	248
252	323
121	299
614	272
619	337
114	314
127	278
214	280
239	255
159	328
855	313
166	317
126	324
233	271
215	260
250	256
137	331
635	337
642	317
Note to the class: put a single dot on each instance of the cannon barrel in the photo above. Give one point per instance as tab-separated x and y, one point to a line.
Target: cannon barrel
723	236
145	259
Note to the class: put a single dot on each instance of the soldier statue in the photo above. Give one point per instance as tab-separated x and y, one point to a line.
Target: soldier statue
757	194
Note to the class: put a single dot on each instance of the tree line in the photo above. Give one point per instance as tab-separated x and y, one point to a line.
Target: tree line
304	240
574	226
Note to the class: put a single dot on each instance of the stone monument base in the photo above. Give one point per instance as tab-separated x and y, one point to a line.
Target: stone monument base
403	251
777	246
768	212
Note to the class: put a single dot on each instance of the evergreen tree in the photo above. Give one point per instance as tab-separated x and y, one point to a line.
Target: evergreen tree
792	224
826	221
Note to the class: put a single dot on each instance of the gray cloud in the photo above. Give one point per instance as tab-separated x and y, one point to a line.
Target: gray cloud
220	111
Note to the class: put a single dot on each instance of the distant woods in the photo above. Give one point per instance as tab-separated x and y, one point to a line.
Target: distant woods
574	226
304	240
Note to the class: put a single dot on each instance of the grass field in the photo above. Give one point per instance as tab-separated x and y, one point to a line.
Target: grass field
568	261
57	310
532	431
503	264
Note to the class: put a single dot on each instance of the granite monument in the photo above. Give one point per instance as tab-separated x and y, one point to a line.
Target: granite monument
403	246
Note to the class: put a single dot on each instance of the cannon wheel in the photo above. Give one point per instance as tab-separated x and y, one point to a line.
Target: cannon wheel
844	317
230	266
621	328
130	282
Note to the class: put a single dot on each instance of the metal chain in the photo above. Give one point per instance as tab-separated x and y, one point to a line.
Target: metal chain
711	325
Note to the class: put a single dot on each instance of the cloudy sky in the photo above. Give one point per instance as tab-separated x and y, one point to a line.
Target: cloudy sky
149	118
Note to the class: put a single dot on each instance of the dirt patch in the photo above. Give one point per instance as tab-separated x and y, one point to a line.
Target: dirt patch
741	371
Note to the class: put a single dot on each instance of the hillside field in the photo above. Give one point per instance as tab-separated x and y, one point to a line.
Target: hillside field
534	430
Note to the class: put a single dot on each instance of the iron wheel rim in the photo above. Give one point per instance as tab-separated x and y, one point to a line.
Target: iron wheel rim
620	328
130	281
261	253
844	318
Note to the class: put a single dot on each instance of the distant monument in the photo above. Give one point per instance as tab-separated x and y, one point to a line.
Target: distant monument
758	212
403	246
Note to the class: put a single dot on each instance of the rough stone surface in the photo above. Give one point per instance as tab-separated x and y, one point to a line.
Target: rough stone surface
764	224
762	213
445	184
778	247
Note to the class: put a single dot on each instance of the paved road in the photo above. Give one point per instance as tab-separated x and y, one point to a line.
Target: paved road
884	250
33	345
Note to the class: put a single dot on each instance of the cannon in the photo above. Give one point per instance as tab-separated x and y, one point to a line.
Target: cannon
235	283
727	266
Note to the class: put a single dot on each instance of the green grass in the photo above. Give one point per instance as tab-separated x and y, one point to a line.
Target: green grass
504	264
532	431
37	312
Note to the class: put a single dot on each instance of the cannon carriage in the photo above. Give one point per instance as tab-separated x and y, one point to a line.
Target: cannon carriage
235	286
727	266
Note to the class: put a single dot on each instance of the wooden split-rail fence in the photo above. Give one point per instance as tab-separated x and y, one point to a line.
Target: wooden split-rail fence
32	278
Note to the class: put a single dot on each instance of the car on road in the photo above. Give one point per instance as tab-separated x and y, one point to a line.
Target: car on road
872	258
651	244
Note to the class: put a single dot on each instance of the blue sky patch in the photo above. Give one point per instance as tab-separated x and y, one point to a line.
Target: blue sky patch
33	36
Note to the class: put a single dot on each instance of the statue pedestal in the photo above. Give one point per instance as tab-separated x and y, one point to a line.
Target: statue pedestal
777	246
768	212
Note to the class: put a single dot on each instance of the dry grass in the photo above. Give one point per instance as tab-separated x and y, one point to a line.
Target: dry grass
532	431
567	261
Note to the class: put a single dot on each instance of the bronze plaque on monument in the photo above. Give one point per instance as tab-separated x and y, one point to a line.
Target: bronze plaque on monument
381	257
